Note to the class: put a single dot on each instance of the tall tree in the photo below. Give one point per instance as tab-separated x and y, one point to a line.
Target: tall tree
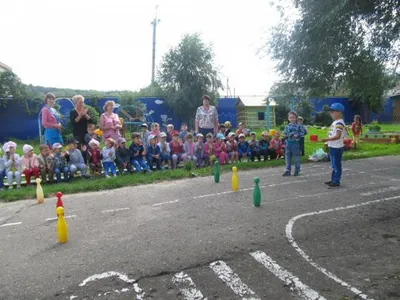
186	73
11	85
338	46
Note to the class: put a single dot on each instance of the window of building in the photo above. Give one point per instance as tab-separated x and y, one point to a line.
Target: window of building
261	116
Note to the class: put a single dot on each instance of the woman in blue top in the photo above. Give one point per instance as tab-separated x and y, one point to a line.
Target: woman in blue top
51	121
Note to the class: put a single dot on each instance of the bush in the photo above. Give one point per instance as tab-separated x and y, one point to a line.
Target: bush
374	127
189	166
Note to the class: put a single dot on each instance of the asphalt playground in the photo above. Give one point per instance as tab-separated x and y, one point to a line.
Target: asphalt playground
195	239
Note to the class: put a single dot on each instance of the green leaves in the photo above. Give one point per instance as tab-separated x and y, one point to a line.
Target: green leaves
186	73
338	47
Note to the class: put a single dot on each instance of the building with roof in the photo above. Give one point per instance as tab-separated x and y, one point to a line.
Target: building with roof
251	110
4	67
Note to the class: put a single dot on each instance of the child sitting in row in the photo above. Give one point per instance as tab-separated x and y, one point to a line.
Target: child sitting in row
199	150
165	151
123	157
189	153
232	147
75	159
94	157
109	158
153	153
29	164
137	154
12	164
60	163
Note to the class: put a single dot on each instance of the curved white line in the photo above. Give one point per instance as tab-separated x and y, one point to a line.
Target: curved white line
289	235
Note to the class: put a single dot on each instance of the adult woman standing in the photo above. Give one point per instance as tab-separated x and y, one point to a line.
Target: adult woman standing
206	118
109	122
51	121
79	119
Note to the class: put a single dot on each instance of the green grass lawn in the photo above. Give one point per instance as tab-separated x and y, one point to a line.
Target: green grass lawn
79	185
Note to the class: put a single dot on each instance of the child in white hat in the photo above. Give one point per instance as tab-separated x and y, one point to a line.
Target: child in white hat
12	163
94	157
29	164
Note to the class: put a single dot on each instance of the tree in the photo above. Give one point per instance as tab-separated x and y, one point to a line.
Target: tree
11	85
186	73
338	46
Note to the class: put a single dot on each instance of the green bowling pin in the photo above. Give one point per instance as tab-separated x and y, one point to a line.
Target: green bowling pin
216	172
257	193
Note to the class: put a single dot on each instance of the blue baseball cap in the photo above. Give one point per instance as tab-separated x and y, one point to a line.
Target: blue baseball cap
337	107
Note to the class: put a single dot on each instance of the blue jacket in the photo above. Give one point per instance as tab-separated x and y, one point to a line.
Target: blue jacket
243	147
134	149
152	150
293	132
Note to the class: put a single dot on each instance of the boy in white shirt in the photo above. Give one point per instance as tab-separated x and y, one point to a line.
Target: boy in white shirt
336	134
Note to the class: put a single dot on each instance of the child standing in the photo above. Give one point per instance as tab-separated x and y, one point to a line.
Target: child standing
199	149
220	149
123	157
90	134
29	163
356	128
277	145
300	121
254	147
75	159
292	133
137	153
335	138
12	164
46	163
95	157
153	153
184	132
209	156
176	149
243	146
109	158
188	149
165	151
60	162
232	147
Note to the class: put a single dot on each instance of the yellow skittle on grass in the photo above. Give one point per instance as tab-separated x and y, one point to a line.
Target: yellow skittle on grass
62	229
235	180
39	191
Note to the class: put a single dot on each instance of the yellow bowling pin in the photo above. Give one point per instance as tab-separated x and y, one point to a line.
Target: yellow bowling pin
62	229
39	191
235	180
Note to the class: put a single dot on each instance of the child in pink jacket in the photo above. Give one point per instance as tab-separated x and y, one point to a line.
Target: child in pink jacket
220	149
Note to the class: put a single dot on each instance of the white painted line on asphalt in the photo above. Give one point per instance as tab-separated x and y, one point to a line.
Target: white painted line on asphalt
11	224
187	287
115	210
293	282
289	235
65	217
139	292
167	202
383	190
225	273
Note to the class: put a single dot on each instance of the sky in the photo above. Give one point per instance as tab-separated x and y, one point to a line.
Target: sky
107	45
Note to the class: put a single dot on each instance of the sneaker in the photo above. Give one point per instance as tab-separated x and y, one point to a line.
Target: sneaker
10	187
328	182
18	186
115	175
287	173
296	173
333	185
107	176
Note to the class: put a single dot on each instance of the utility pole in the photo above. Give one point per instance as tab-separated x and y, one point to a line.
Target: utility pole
153	66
